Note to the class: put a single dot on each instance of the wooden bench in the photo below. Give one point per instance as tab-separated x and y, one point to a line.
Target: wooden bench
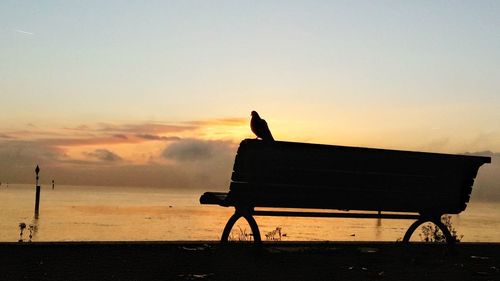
382	183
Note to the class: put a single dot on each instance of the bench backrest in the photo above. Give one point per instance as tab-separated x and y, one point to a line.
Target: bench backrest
301	175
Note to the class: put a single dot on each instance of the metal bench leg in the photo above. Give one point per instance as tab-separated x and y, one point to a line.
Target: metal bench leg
412	229
229	225
255	228
446	232
232	220
437	221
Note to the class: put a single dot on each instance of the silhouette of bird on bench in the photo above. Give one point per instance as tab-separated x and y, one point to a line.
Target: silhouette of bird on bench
259	127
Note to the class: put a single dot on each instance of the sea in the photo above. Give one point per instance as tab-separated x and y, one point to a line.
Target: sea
106	213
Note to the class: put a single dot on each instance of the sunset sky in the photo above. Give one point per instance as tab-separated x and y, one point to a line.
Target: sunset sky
160	92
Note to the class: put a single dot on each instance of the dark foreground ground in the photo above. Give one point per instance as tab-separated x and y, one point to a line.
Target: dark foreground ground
277	261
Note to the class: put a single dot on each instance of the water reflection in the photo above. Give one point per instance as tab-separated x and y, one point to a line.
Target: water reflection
73	213
378	229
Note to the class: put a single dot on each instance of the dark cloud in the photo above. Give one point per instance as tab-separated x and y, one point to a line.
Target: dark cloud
104	155
484	153
18	152
487	183
156	137
94	140
195	150
19	158
121	136
203	163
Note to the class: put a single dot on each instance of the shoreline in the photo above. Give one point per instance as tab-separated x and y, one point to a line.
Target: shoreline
208	260
217	243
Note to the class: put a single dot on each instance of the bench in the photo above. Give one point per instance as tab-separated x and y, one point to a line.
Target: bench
380	183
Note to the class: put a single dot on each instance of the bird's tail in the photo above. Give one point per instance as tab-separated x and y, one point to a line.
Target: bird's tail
270	137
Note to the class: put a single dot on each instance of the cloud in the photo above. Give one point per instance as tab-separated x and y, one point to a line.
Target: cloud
156	137
160	155
195	150
110	134
436	144
5	136
78	128
19	152
106	140
484	153
96	140
121	136
487	183
104	155
145	128
18	159
24	32
203	163
194	164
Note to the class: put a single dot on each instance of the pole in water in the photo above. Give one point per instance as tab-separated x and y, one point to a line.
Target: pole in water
52	184
37	195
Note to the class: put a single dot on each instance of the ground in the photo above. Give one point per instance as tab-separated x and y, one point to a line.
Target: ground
242	261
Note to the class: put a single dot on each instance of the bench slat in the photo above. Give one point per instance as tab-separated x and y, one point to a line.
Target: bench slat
342	198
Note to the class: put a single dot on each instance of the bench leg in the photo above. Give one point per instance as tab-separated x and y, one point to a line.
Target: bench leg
229	225
255	228
412	229
232	220
437	221
446	232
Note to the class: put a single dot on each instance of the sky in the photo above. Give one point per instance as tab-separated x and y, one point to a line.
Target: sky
160	92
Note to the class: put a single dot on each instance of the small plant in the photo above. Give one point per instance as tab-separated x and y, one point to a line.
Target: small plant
240	235
22	226
275	235
432	233
32	230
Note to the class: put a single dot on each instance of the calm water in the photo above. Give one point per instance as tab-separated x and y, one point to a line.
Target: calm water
77	213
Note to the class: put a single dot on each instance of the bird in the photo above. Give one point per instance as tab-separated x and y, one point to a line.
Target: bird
259	127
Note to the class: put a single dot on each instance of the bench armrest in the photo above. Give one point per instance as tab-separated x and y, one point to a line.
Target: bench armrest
214	198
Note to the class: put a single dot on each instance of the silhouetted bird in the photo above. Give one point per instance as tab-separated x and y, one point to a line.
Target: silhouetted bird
259	127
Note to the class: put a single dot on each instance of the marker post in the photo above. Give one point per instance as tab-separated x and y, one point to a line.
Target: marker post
37	195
